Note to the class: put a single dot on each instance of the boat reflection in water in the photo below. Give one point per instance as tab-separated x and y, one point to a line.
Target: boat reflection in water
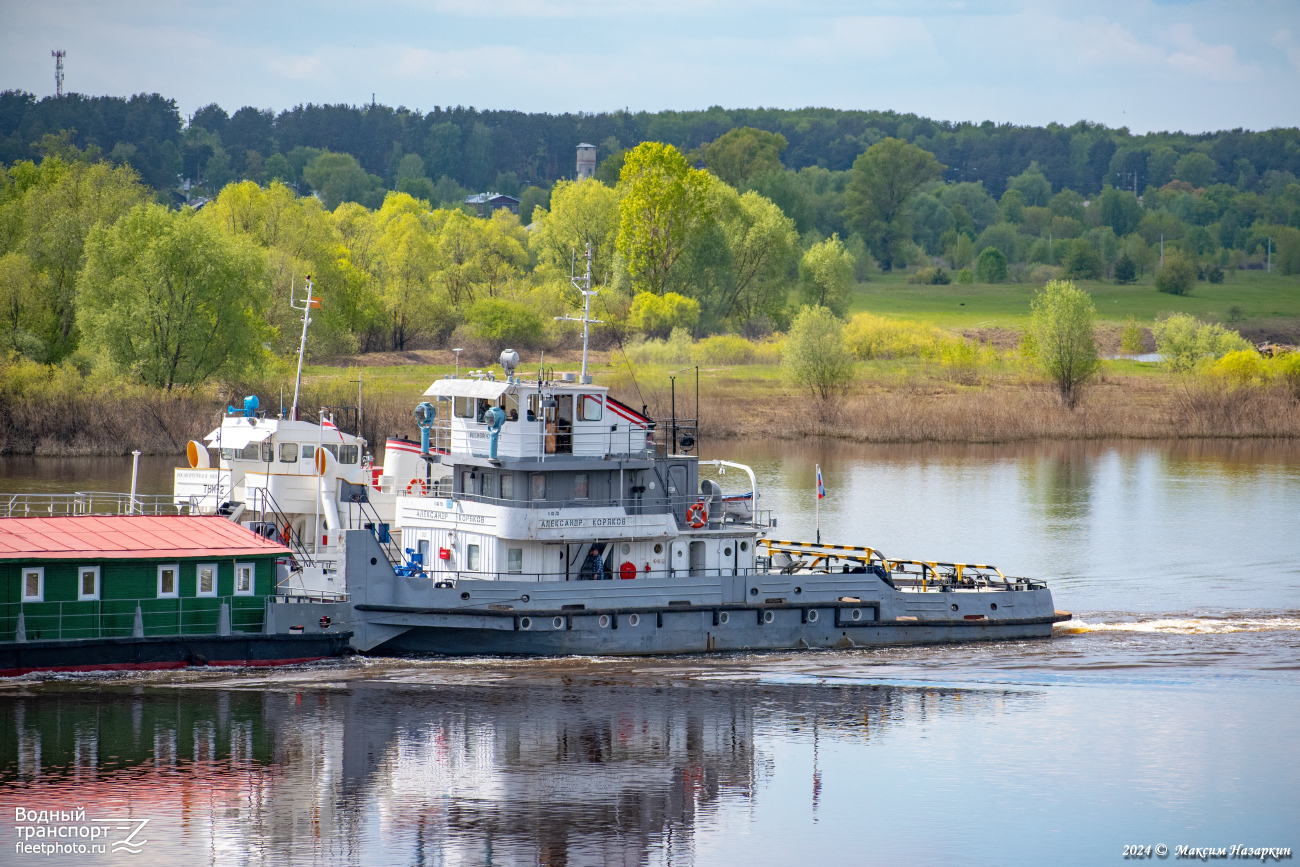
557	772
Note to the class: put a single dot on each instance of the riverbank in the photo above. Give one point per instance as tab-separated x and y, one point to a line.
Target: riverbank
890	402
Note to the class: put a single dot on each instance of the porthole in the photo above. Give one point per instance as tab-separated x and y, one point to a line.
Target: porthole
679	552
523	598
753	591
812	616
993	606
769	616
726	552
659	548
953	606
464	595
798	590
633	619
525	623
626	549
744	546
724	618
603	621
373	561
558	622
855	614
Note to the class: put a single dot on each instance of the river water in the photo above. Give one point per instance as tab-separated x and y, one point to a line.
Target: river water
1167	713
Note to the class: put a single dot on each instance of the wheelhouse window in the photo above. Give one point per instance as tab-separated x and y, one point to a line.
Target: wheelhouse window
308	452
539	486
590	407
288	453
472	558
515	560
511	405
507	486
466	482
250	452
579	486
485	485
87	582
169	581
205	579
268	452
349	454
34	584
244	579
463	407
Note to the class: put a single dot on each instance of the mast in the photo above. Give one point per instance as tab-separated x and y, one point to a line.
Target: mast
302	345
586	320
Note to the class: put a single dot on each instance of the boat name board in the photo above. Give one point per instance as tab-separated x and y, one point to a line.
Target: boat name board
456	517
555	523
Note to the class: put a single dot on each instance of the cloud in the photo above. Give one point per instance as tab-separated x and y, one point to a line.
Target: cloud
1215	62
869	38
1282	40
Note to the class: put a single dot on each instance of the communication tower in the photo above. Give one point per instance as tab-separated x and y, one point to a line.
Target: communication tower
58	56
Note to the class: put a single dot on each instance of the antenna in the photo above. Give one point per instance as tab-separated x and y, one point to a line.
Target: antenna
586	320
308	303
58	56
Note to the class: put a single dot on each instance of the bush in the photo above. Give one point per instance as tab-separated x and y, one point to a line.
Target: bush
1214	274
992	266
658	316
1061	332
932	276
504	324
1132	338
1285	369
868	336
1185	341
724	349
965	276
675	350
1125	269
1177	275
1240	367
815	357
1082	262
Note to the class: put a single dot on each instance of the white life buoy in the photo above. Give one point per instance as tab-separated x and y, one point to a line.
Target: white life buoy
418	485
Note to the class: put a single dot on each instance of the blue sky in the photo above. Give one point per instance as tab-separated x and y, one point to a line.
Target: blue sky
1194	66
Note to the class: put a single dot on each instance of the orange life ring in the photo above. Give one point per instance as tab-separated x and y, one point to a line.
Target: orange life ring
697	516
627	570
418	485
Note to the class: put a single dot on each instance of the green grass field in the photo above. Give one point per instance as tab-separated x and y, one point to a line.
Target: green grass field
1263	298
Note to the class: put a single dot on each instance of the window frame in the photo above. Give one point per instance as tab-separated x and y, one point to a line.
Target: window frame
40	583
486	485
252	579
82	595
462	407
581	412
473	557
288	449
349	454
586	486
533	480
176	580
507	486
308	452
198	580
515	561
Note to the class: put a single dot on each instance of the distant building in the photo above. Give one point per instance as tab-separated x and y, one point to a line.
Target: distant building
486	203
586	160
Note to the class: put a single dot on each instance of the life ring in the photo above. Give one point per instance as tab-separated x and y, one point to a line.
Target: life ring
697	516
627	570
418	485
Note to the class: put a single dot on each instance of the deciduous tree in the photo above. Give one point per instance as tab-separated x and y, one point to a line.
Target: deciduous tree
1061	335
884	177
664	203
815	356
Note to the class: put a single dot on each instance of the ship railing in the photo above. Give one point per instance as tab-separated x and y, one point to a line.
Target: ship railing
116	618
37	505
760	518
287	594
576	573
920	575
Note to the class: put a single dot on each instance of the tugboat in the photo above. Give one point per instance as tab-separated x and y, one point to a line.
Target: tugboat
569	527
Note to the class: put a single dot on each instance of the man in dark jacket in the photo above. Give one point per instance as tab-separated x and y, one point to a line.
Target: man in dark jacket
593	568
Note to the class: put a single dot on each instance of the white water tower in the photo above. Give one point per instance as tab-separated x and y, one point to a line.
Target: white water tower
586	160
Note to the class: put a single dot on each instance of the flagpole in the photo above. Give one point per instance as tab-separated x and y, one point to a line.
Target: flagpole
817	498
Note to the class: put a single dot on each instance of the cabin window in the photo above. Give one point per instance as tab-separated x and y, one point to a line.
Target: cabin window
511	406
485	485
308	452
466	482
268	452
205	579
348	454
515	560
228	454
87	582
539	486
507	487
463	407
590	407
169	581
34	584
579	486
533	401
250	452
244	576
471	558
332	449
422	548
481	406
288	453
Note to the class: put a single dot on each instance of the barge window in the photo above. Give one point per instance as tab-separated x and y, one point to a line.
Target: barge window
463	407
471	558
205	579
348	454
507	486
590	407
485	486
34	584
244	576
579	486
87	582
167	581
539	486
515	560
288	453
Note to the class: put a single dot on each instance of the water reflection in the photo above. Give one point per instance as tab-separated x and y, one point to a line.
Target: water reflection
552	773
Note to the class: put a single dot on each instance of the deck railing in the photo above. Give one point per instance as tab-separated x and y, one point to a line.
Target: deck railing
38	505
115	618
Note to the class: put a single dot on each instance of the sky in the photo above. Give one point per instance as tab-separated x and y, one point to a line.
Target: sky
1191	66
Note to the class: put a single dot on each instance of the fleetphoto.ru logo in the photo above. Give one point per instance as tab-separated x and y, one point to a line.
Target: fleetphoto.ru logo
70	832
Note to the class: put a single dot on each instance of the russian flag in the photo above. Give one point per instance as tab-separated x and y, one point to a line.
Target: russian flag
821	488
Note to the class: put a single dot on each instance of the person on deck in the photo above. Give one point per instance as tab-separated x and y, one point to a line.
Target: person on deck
593	568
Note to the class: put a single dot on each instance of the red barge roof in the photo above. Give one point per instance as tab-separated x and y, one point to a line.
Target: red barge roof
122	537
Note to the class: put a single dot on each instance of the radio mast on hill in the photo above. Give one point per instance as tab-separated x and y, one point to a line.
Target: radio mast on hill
58	56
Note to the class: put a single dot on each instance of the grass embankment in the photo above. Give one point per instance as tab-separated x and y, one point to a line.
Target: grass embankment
955	392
